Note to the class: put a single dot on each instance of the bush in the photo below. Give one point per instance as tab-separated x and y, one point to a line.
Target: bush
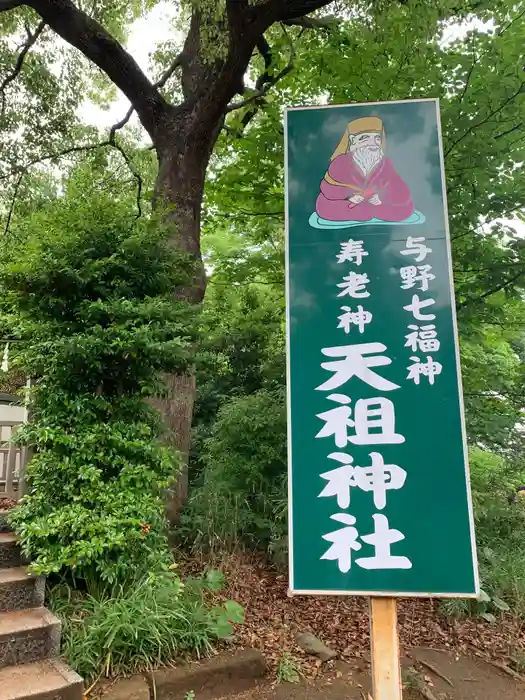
146	623
242	352
88	294
500	531
242	498
500	535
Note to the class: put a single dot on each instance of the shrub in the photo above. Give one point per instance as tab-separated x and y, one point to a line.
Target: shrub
288	669
242	498
87	292
145	623
500	535
500	531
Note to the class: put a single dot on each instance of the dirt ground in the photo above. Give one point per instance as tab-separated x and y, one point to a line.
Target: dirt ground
444	658
427	674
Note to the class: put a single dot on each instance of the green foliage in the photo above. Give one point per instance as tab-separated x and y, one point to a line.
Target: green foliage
140	625
477	74
482	117
86	292
412	680
223	618
241	500
500	531
242	352
237	467
287	669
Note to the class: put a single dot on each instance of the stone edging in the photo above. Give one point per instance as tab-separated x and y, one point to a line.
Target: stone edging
214	677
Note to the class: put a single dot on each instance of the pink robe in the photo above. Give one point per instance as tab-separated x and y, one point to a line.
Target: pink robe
332	202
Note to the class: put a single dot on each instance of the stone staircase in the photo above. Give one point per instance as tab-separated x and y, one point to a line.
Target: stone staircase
29	635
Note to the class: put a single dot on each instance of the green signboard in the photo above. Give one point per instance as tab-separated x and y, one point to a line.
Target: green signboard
378	476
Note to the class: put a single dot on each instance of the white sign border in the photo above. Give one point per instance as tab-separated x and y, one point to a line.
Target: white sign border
380	594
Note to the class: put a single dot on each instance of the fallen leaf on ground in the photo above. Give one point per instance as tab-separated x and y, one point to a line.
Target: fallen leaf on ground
272	620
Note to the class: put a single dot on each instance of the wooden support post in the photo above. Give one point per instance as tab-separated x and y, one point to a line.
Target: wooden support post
384	642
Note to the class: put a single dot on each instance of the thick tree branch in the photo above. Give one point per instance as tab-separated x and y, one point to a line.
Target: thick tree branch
90	37
160	83
312	22
32	38
121	124
264	81
176	63
294	9
265	50
244	103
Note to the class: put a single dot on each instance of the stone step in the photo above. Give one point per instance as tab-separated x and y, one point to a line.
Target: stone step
9	550
27	636
20	589
47	680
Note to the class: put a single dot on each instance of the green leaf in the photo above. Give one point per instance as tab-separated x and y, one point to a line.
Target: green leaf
484	597
500	604
214	580
489	617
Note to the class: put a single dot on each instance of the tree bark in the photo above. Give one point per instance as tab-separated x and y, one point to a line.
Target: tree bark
184	138
179	191
176	410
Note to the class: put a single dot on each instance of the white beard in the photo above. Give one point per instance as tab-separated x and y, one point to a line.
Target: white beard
366	159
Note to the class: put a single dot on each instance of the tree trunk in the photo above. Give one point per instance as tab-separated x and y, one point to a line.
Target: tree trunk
179	190
184	138
176	410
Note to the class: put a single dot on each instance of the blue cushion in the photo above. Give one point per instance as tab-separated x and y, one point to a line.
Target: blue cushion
316	222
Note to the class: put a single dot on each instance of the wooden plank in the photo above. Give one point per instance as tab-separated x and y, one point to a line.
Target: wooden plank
4	452
384	641
25	456
11	464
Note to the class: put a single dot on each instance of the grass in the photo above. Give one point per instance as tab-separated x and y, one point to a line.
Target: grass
518	661
288	669
412	680
107	632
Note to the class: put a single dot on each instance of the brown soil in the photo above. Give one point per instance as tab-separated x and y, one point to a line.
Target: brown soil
427	673
467	678
443	659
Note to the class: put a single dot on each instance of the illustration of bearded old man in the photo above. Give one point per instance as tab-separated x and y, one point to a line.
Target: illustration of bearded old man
361	182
